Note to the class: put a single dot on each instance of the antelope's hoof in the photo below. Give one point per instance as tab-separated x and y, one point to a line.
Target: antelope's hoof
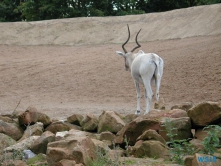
145	113
137	112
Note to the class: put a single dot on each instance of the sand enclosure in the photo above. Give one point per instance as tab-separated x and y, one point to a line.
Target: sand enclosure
70	66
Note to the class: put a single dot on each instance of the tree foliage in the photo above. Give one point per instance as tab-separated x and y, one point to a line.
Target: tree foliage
8	10
34	10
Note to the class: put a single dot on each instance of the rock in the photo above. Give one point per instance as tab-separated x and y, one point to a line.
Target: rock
159	114
108	138
151	135
75	119
11	129
184	106
60	135
205	113
14	163
114	154
151	148
177	113
107	135
128	118
31	116
132	161
23	145
78	133
136	128
89	123
200	134
179	126
188	160
38	160
40	145
61	126
66	162
28	154
16	151
80	149
36	129
101	147
110	121
197	144
5	141
6	118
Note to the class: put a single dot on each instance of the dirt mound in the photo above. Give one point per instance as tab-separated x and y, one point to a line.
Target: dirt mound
195	21
89	77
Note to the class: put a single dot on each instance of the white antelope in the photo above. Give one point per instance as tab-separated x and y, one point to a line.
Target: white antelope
145	69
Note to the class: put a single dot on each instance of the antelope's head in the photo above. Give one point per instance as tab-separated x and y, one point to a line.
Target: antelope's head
128	55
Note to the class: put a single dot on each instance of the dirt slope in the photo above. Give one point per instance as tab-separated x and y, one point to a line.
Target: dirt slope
195	21
89	77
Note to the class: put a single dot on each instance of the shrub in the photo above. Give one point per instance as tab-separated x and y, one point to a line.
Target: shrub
178	148
211	142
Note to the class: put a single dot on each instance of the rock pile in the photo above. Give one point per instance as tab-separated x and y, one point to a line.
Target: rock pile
77	140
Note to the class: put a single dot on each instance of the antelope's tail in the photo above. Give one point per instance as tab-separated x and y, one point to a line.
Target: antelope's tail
158	75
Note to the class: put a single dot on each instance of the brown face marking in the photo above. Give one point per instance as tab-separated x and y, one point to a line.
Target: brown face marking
126	66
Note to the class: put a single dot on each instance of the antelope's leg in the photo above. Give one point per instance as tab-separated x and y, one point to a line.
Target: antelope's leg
158	75
158	79
148	94
138	98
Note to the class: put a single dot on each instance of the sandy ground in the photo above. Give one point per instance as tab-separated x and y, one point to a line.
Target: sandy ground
63	78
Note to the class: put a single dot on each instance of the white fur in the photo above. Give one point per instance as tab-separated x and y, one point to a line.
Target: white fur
145	69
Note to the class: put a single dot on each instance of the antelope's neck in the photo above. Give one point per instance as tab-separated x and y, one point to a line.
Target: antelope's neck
130	59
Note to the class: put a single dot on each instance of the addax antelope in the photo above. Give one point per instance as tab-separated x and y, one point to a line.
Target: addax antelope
145	69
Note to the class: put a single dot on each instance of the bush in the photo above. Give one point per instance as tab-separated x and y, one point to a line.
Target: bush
211	142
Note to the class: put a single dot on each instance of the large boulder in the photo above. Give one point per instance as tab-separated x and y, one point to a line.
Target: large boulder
110	121
205	113
89	123
136	128
78	149
179	126
151	148
40	145
11	129
31	116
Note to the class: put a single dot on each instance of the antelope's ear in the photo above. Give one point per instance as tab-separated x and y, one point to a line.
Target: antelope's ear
120	53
